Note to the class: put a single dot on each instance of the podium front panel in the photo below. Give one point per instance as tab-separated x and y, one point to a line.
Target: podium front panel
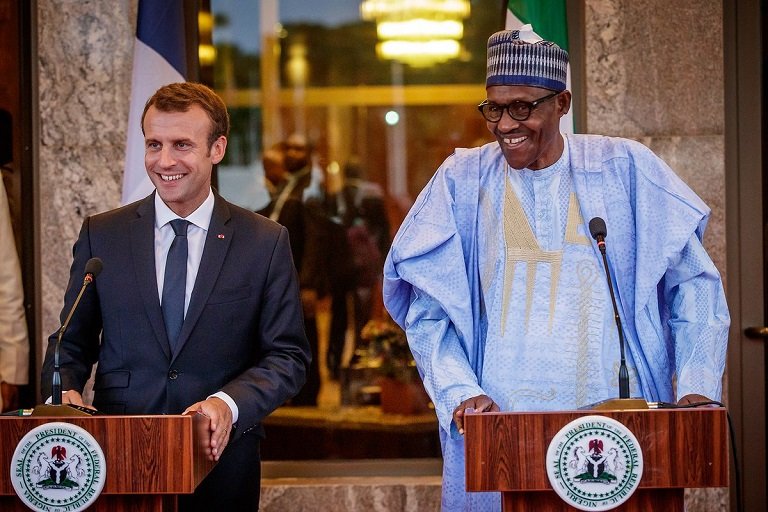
682	448
144	454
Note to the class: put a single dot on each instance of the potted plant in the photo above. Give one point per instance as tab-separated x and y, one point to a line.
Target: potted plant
387	350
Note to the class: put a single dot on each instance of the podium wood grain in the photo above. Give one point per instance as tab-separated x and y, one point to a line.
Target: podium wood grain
682	448
149	459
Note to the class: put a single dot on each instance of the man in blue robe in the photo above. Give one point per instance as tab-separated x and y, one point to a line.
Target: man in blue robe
500	288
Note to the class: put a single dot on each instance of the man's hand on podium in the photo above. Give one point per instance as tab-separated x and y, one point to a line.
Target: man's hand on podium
221	424
480	403
75	398
693	398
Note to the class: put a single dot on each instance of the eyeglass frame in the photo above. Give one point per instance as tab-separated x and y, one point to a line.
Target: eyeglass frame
531	105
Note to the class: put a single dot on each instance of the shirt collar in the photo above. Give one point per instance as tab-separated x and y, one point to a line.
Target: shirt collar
200	217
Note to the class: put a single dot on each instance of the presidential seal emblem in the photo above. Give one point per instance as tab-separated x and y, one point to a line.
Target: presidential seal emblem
58	467
594	463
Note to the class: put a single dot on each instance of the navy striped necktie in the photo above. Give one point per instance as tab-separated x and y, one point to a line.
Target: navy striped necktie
175	282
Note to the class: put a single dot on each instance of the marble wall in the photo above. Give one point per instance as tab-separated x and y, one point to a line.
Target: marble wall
85	54
351	494
654	72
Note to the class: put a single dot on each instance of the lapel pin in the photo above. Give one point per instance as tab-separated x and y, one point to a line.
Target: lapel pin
221	236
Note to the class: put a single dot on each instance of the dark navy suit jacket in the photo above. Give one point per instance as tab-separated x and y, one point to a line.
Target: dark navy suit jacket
243	332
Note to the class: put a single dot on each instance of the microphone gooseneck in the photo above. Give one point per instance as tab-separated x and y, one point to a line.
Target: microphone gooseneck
92	269
599	231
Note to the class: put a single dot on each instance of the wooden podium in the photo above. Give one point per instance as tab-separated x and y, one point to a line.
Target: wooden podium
150	460
682	448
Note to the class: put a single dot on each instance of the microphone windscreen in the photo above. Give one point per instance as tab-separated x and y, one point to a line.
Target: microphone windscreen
597	228
94	266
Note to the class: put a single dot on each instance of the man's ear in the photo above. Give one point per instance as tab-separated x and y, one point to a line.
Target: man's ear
218	149
564	102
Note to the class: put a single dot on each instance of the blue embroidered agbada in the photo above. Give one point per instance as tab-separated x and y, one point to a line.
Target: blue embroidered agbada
500	289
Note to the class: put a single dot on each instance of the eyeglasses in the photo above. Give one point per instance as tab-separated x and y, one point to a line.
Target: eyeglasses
518	110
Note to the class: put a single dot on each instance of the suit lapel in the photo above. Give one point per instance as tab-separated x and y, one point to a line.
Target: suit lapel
217	242
142	230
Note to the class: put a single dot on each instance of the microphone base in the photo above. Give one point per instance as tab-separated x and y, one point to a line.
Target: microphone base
617	404
61	411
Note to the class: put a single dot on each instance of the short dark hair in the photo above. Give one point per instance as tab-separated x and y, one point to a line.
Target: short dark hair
181	96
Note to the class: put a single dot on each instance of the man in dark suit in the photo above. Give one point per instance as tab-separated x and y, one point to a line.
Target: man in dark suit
237	350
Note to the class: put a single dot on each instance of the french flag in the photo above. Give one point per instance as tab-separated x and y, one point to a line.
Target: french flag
159	58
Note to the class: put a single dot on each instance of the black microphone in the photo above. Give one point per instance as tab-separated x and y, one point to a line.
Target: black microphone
598	231
92	269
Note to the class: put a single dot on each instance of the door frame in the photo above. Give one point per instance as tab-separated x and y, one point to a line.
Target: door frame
745	221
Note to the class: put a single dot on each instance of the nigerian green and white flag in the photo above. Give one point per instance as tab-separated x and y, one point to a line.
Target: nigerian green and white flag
548	19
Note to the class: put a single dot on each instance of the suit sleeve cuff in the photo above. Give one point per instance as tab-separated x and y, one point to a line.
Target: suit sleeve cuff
231	403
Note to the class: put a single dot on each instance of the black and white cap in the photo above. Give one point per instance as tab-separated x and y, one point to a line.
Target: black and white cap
520	57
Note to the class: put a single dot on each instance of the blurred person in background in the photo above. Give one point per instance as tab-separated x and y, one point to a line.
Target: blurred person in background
14	342
288	167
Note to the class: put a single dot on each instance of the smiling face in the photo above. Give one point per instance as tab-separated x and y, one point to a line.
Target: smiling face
178	158
535	143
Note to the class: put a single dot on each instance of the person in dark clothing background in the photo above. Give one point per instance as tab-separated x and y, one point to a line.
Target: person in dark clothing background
306	232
